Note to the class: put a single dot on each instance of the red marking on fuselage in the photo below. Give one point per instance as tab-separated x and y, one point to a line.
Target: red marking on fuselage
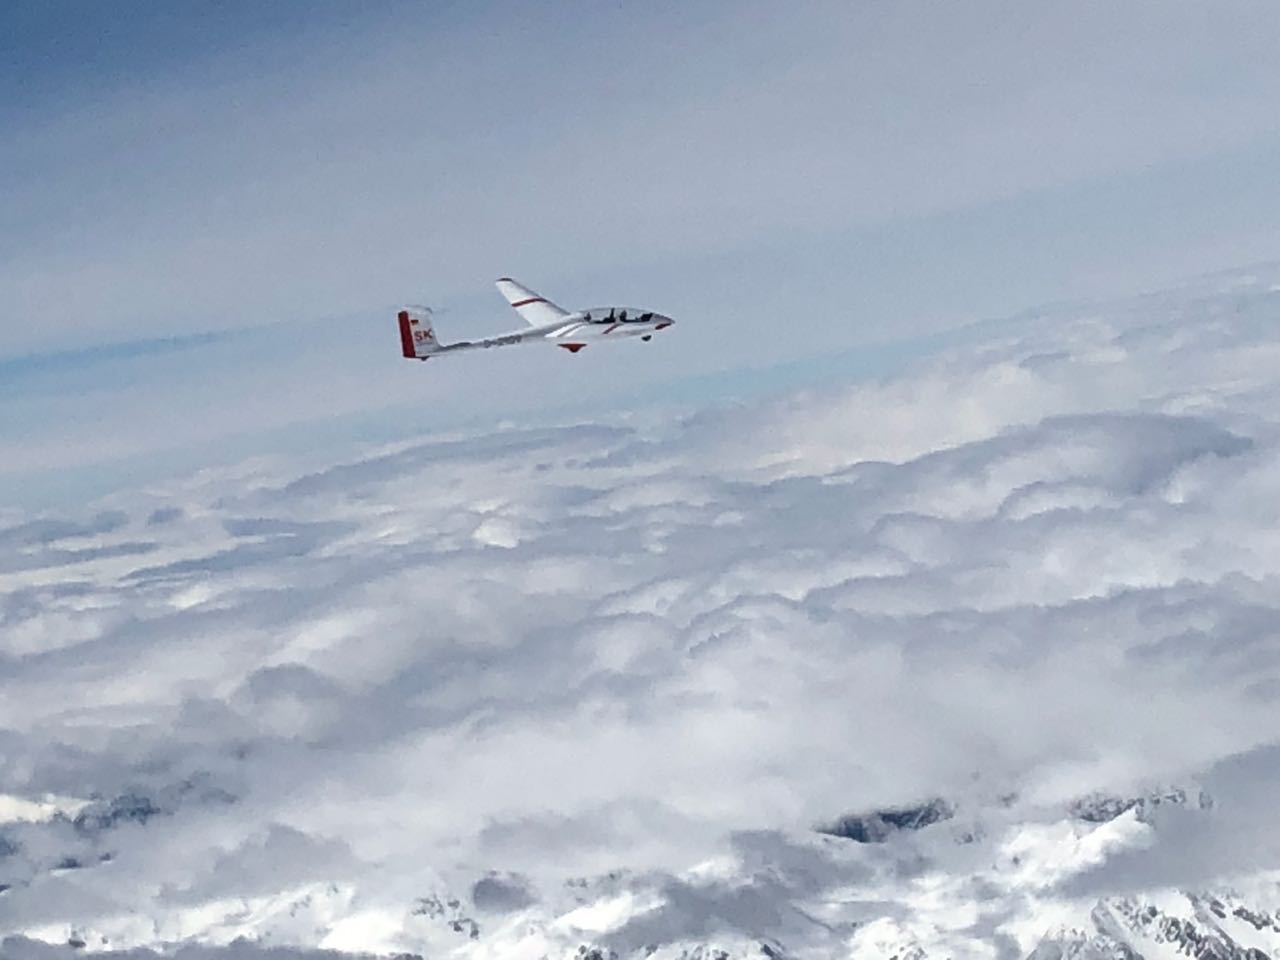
571	347
615	326
406	336
662	326
521	303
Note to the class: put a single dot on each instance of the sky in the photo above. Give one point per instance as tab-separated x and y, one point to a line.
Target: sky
788	181
949	498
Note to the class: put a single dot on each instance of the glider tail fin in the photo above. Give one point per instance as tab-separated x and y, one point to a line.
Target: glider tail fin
417	335
534	309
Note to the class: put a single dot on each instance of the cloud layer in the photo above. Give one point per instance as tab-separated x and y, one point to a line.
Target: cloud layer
554	683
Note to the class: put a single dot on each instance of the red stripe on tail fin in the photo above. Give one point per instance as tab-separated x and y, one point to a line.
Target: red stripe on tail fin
406	336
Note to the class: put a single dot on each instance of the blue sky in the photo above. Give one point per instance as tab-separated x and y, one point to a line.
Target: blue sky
788	181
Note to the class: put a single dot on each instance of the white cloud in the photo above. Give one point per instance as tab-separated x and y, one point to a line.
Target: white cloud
511	676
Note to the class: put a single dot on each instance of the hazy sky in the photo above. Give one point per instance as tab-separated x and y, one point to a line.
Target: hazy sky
781	177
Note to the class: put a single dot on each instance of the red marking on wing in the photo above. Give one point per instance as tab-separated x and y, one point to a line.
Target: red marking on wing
571	347
521	303
406	336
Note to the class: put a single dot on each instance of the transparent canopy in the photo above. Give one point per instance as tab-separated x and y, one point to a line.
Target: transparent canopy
619	315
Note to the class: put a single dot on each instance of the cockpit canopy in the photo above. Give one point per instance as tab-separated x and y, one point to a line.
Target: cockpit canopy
620	315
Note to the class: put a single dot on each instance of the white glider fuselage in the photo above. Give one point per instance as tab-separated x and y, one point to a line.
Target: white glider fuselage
547	323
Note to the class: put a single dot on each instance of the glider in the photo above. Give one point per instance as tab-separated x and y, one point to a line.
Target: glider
547	323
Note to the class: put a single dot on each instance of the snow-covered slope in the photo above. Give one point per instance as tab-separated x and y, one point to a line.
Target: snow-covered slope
1003	881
